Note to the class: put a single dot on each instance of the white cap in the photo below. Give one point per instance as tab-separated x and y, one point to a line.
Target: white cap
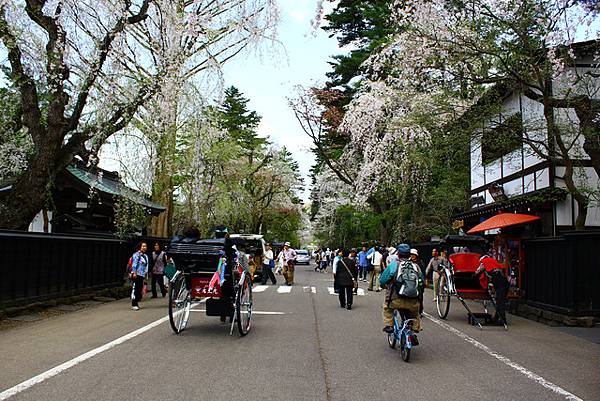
413	251
286	244
392	250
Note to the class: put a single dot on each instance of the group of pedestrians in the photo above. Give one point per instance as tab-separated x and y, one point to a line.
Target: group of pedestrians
284	264
324	259
140	266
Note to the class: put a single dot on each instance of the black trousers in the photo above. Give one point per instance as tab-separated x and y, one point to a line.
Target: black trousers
501	286
267	273
161	283
346	295
137	290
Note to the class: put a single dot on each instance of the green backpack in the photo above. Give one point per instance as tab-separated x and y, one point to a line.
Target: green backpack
407	282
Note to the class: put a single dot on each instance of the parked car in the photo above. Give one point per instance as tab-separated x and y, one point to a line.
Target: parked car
303	257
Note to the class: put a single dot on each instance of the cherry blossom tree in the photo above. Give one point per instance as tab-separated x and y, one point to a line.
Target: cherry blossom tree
84	68
527	46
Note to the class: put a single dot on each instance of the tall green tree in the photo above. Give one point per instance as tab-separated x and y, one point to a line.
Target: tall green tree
240	122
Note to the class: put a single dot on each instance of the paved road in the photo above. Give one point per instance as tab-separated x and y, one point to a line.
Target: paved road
313	350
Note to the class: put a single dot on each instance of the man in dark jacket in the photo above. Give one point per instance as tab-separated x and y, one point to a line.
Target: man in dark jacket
346	273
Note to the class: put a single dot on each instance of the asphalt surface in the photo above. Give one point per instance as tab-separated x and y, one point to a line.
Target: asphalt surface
313	350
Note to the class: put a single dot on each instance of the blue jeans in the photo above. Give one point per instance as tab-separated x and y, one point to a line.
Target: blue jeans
362	272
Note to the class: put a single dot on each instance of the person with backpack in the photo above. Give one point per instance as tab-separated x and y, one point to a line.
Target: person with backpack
345	276
139	268
401	279
159	261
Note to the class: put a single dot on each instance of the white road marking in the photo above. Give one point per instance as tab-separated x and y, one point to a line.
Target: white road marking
254	312
521	369
81	358
284	289
259	288
360	292
309	288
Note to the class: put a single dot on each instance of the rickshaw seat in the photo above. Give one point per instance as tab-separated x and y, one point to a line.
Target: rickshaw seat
465	264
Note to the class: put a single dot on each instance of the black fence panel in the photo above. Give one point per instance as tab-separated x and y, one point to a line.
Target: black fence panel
40	266
563	274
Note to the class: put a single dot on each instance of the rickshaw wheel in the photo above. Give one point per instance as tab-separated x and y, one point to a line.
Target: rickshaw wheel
243	306
179	304
404	350
443	298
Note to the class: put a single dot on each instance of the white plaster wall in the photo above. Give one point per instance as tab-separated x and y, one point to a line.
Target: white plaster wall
477	176
492	171
513	188
534	126
568	123
563	212
37	224
512	162
584	178
529	183
542	178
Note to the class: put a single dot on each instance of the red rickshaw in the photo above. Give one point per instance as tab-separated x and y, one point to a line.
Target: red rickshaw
456	278
202	273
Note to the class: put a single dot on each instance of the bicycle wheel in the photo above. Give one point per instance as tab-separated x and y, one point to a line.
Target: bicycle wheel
443	298
392	336
179	303
243	305
404	350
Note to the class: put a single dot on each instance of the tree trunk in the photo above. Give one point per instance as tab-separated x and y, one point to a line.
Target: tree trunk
384	229
162	225
28	194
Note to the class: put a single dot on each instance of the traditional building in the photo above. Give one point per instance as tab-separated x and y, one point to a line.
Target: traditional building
84	200
508	175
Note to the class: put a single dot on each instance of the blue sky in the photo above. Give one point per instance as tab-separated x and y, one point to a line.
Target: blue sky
267	79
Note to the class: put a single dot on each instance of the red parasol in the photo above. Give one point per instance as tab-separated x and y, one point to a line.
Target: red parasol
503	220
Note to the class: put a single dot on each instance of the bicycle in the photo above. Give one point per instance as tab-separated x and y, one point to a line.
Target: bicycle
403	334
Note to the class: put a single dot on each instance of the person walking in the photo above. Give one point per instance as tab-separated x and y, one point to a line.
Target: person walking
434	266
289	261
363	264
374	274
279	263
139	269
414	257
159	261
324	261
335	262
346	276
267	266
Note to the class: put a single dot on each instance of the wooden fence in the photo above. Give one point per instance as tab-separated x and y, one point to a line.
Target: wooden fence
38	266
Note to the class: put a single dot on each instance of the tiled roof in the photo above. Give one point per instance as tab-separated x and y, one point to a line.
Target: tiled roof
111	186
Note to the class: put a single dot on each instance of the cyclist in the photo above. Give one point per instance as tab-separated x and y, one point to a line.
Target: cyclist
393	300
494	272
